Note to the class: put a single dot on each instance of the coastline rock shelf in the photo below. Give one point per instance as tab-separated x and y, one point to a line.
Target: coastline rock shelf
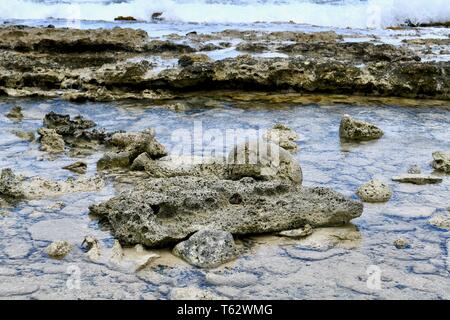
106	65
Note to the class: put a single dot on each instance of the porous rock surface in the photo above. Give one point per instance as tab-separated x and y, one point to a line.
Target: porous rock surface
95	65
441	161
207	248
374	191
358	130
164	211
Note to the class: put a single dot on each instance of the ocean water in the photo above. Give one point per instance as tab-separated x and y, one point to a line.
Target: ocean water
271	267
330	13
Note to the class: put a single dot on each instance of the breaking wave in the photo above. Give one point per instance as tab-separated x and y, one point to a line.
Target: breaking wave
335	13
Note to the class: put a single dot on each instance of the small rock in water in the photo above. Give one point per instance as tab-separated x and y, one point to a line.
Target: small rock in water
189	59
415	169
156	16
419	179
207	248
441	161
401	243
51	141
357	130
64	125
283	136
24	135
125	18
79	167
191	293
112	160
374	191
10	184
145	261
297	233
93	246
15	113
440	221
58	249
116	252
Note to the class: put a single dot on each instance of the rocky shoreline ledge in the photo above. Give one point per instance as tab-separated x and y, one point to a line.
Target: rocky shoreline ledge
107	65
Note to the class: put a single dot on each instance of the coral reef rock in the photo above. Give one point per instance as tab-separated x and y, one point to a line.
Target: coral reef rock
51	141
357	130
207	248
374	191
441	161
164	211
58	249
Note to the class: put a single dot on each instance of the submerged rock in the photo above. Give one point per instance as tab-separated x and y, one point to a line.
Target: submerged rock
25	135
79	167
298	233
15	113
441	161
51	141
262	160
20	187
58	249
284	136
164	211
415	169
192	293
207	248
374	191
353	129
440	221
401	243
419	179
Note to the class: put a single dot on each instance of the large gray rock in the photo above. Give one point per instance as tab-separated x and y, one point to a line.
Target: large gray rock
262	160
357	130
441	161
164	211
207	248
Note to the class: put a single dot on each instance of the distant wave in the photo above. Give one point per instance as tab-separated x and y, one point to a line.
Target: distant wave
337	13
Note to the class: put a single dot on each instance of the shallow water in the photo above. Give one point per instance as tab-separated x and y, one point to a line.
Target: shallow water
332	263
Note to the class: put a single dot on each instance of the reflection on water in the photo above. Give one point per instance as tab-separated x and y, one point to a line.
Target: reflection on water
332	263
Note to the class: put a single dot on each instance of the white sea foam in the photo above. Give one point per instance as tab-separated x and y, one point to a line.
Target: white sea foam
337	13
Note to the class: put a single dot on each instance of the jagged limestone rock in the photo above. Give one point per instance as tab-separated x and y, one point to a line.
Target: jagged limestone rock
159	212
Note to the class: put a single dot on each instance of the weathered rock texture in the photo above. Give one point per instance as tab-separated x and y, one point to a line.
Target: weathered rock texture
163	211
374	191
19	187
357	130
58	249
207	248
417	179
441	161
106	65
284	136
